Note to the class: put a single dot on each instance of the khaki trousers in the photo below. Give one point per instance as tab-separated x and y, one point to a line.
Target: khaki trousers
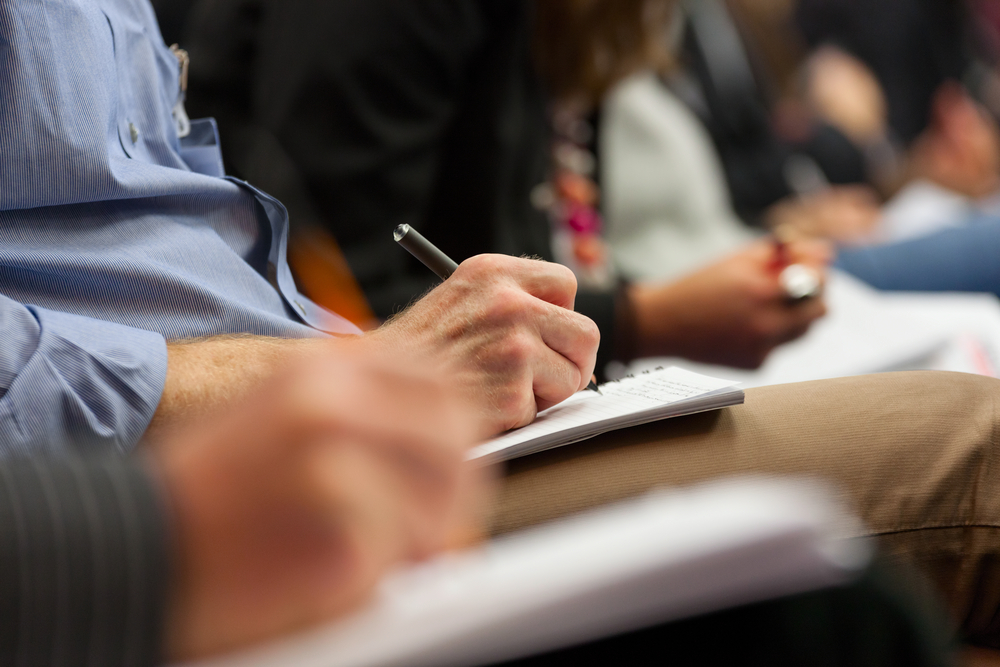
915	455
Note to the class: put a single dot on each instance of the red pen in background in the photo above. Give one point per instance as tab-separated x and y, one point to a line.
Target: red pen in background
799	281
780	258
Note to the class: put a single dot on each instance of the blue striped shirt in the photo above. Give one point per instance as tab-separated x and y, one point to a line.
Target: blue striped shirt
115	234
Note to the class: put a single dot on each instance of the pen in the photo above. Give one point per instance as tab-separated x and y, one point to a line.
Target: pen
799	281
425	251
435	260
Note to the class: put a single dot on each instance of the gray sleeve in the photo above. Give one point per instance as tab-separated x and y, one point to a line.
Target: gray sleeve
83	563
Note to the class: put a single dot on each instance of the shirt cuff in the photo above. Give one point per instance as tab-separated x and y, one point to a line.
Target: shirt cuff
87	384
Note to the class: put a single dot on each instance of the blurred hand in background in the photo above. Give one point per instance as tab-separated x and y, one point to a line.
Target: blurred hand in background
844	214
843	92
733	312
288	510
960	150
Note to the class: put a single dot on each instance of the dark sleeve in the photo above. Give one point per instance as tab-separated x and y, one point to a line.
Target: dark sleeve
611	312
83	564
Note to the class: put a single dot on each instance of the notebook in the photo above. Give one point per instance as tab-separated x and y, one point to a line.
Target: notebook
638	399
669	555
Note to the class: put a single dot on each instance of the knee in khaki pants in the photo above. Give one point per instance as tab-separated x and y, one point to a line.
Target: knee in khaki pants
915	455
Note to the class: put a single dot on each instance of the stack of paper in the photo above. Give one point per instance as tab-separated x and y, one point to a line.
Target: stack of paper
649	396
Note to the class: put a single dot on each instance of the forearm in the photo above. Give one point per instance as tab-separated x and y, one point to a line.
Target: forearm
659	317
210	374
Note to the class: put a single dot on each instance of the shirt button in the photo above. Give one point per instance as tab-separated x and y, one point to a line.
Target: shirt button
133	133
301	307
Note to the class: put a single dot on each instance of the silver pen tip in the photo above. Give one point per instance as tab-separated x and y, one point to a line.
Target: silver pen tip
400	232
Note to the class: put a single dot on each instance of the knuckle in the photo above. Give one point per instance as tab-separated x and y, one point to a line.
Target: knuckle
563	281
500	311
517	351
564	275
591	333
516	406
509	305
481	269
481	263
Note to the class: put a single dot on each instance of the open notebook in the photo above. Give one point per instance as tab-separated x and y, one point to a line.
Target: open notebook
646	397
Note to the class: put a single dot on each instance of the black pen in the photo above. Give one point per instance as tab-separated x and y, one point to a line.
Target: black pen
435	260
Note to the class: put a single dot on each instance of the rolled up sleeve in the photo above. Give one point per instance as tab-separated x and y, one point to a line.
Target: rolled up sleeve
68	381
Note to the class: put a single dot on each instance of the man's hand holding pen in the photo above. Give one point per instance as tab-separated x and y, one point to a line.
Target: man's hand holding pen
504	328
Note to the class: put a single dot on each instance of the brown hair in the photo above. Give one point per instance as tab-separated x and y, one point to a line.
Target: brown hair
583	47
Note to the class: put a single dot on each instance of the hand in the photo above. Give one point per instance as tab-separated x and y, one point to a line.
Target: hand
845	93
288	511
846	214
961	148
505	328
733	312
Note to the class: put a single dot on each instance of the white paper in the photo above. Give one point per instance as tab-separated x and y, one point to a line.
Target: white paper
650	395
665	556
922	208
868	331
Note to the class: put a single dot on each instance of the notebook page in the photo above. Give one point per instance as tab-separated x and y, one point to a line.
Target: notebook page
621	403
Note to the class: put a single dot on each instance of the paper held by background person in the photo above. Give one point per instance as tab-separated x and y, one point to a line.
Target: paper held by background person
923	208
662	557
645	397
868	331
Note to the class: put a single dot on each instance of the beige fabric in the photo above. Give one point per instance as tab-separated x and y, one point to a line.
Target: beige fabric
915	455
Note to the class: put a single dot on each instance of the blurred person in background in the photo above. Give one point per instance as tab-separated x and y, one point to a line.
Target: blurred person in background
848	84
929	69
470	121
881	76
737	84
659	228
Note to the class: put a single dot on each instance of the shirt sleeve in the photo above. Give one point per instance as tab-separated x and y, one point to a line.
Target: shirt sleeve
72	381
83	563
